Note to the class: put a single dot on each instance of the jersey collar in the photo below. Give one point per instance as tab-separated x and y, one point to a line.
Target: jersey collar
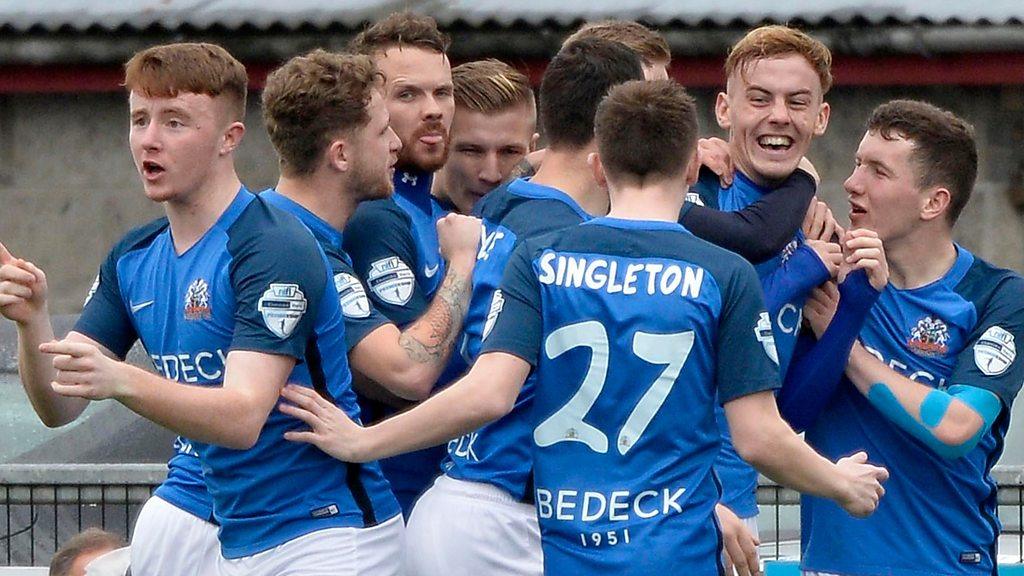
316	224
527	189
413	185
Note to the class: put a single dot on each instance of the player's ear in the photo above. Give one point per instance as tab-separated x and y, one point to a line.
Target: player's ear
693	169
232	137
339	155
822	121
722	111
597	168
935	203
533	141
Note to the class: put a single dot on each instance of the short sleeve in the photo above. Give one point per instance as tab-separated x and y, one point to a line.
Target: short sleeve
105	318
989	361
280	279
361	316
514	322
379	240
747	361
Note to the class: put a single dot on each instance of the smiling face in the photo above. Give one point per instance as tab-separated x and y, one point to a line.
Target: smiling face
486	146
772	108
418	94
176	142
884	191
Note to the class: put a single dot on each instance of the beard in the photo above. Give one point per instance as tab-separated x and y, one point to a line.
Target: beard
421	156
370	184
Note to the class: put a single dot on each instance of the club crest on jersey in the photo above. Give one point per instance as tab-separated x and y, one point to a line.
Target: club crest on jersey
92	291
282	306
391	280
929	337
995	351
497	303
354	303
764	334
197	300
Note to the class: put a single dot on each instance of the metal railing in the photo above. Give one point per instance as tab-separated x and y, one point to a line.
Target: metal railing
41	506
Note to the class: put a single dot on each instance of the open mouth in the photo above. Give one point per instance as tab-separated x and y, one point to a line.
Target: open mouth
152	169
856	210
775	143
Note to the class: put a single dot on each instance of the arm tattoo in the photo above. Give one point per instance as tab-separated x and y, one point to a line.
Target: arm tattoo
441	324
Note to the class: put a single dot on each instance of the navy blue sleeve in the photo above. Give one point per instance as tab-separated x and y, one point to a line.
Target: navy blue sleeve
518	328
759	231
794	279
361	317
745	348
817	366
280	277
105	317
379	239
989	361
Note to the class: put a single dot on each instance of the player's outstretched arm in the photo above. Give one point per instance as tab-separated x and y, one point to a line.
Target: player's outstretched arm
23	299
230	416
764	440
486	393
408	363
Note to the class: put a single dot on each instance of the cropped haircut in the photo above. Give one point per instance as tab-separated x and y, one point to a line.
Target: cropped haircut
576	80
312	99
490	86
778	41
86	541
650	45
197	68
401	29
944	148
646	129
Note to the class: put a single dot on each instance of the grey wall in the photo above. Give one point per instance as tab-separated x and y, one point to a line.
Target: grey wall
68	189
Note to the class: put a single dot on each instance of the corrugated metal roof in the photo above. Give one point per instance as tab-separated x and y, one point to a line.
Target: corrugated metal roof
85	15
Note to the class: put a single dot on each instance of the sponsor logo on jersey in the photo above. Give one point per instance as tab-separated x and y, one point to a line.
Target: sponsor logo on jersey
995	351
92	291
325	511
409	179
282	306
617	506
354	303
202	366
429	271
136	308
197	300
929	337
497	303
391	280
763	333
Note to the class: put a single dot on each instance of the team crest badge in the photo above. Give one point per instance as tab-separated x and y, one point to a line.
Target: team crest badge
497	303
282	306
391	280
197	300
995	351
764	334
354	303
929	337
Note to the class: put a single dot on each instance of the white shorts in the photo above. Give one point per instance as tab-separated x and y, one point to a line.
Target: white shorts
168	540
375	551
460	528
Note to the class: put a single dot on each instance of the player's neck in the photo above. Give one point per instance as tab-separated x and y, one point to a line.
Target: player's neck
568	171
191	216
660	202
915	261
319	195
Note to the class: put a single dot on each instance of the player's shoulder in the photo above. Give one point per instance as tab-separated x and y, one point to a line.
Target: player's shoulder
270	232
138	238
373	213
985	284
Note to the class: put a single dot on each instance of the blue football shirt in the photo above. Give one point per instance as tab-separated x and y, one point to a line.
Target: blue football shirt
255	281
938	516
636	331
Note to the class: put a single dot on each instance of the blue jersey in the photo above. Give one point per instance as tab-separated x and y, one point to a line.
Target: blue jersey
785	307
255	281
361	317
938	516
499	453
394	249
636	330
